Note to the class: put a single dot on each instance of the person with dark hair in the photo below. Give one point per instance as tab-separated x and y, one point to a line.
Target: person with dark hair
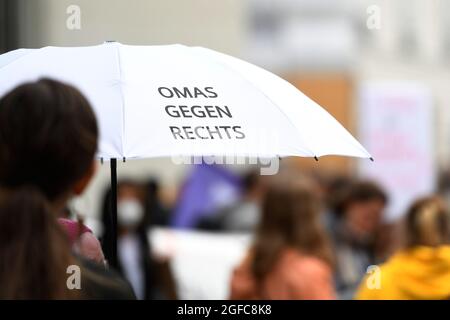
336	191
290	257
157	213
52	118
354	232
133	248
421	269
242	216
245	215
26	224
48	141
135	259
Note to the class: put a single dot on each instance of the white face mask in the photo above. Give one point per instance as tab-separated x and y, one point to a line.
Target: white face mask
129	213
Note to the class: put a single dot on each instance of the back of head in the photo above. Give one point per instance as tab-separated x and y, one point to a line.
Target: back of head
289	208
250	180
48	137
34	253
358	192
427	223
290	219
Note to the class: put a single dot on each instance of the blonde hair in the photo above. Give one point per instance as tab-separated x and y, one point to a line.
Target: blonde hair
428	223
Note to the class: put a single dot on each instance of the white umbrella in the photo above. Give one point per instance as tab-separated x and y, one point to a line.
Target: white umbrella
218	104
174	100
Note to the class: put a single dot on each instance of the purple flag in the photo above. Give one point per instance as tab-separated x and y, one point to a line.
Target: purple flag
207	189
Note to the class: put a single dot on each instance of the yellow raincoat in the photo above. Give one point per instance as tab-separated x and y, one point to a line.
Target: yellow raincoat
417	273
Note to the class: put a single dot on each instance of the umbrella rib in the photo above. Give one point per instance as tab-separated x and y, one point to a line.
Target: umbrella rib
117	48
354	142
313	154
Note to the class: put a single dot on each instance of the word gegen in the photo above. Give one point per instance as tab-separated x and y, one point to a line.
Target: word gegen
203	132
198	111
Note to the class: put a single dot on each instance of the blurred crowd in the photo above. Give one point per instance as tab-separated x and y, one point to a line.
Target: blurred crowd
312	236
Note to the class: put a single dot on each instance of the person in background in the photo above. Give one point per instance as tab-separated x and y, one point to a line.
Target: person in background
290	257
244	215
421	269
205	190
336	188
48	140
135	258
82	240
157	214
355	232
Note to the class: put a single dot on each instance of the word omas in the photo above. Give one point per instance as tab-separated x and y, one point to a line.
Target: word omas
223	131
187	93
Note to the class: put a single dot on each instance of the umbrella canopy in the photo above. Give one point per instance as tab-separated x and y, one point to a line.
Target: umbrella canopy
154	101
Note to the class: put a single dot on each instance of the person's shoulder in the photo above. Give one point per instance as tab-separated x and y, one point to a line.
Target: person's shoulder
73	229
101	283
89	247
307	264
308	277
242	280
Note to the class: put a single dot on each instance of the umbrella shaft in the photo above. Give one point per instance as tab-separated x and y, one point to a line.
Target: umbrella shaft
112	258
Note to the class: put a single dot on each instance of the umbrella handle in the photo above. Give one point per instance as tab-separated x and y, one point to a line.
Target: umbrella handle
111	253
